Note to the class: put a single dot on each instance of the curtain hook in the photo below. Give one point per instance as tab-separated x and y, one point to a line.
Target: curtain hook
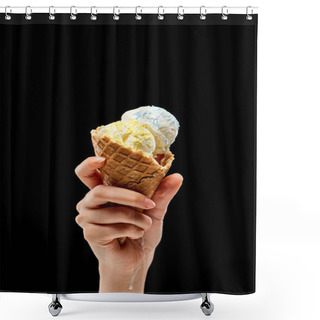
93	16
180	13
138	16
73	14
224	13
116	15
203	13
249	15
7	16
52	12
28	13
160	15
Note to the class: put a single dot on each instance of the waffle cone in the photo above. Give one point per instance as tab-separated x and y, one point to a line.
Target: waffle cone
129	169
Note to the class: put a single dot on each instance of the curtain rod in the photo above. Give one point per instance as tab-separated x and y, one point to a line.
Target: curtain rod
130	10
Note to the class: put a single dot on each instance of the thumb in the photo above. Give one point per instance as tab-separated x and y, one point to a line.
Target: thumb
167	189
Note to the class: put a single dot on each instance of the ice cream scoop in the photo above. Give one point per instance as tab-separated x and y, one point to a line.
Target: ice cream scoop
163	125
130	134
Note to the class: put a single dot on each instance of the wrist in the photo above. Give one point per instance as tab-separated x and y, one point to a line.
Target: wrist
122	280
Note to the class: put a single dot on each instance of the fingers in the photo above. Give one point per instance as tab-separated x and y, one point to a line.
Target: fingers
88	173
102	235
167	189
112	215
102	194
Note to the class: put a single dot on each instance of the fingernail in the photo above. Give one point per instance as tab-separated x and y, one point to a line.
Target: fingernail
149	203
179	175
100	159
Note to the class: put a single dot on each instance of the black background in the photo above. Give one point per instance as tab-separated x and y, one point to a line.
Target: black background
59	80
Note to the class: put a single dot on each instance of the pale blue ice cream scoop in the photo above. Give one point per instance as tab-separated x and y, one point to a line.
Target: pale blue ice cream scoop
163	125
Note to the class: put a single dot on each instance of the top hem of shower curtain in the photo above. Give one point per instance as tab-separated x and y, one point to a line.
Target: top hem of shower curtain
128	19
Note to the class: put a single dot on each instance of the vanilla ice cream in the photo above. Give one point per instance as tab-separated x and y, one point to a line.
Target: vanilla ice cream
130	134
163	125
149	129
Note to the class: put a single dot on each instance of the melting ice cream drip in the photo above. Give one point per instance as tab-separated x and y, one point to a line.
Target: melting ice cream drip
130	288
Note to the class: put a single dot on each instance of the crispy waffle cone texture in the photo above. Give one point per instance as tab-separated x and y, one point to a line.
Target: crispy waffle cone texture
127	168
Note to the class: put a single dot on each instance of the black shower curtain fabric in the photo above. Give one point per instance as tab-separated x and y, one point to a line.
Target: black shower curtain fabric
62	78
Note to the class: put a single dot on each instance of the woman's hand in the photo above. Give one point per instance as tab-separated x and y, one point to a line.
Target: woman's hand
122	268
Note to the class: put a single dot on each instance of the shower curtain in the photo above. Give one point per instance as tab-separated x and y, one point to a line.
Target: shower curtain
62	78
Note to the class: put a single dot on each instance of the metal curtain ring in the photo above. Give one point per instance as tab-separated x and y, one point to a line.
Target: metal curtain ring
249	15
28	13
203	13
52	12
116	15
93	16
160	15
180	13
73	14
138	16
6	10
224	13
